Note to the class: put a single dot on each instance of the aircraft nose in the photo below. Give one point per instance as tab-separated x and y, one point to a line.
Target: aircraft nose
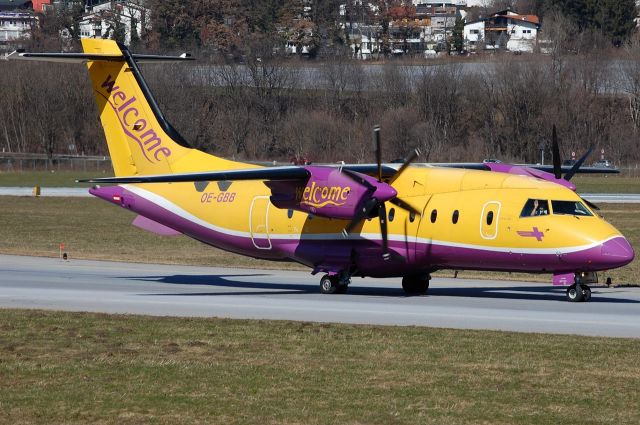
617	252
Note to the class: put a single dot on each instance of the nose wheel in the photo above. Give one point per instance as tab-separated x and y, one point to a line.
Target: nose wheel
577	293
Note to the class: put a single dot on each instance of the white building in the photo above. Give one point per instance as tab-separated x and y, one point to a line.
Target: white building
503	30
106	19
15	26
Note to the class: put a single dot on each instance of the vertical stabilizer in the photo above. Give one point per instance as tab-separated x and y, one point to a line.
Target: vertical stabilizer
137	134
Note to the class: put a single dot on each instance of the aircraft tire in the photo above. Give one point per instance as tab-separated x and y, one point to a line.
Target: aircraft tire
576	294
415	285
328	284
586	293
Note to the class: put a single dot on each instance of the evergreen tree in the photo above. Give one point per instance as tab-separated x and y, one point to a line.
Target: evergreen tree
457	36
616	19
613	18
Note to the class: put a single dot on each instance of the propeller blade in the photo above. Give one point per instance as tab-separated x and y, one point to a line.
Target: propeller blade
557	168
382	215
359	179
400	203
412	157
578	164
363	212
378	149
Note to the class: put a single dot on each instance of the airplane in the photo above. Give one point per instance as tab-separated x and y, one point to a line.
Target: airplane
370	220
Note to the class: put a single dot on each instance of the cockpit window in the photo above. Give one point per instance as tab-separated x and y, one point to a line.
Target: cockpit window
570	208
535	207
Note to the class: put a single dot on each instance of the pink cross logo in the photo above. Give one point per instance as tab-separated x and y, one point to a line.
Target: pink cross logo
534	234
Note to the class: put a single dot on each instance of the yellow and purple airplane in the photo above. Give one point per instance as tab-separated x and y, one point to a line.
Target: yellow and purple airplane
342	220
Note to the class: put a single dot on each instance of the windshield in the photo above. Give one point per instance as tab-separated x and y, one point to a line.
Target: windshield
570	208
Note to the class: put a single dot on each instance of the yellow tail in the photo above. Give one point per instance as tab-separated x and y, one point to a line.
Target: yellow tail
140	140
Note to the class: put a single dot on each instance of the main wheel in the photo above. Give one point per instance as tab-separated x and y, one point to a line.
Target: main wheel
575	293
328	284
586	293
415	285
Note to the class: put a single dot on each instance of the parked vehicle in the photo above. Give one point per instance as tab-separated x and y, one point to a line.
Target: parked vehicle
604	163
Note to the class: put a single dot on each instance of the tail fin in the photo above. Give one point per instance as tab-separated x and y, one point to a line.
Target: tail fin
140	140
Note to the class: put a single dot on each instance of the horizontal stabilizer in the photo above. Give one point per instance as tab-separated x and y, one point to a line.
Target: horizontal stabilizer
149	225
88	57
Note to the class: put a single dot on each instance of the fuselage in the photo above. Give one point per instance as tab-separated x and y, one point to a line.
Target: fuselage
470	220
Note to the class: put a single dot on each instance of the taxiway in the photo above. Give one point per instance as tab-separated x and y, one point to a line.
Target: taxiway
165	290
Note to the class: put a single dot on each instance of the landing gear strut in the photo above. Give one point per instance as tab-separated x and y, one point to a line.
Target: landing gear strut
416	285
334	284
578	292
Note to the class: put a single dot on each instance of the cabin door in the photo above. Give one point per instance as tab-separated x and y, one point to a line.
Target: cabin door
259	222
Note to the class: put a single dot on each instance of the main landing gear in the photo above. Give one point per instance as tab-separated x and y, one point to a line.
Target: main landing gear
578	292
416	285
334	284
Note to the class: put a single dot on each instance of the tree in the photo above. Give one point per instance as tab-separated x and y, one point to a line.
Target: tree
457	36
613	18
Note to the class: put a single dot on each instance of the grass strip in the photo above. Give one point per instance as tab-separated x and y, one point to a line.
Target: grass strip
60	367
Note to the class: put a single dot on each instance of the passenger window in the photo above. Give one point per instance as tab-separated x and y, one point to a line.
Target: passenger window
535	207
434	216
392	214
455	216
412	216
489	218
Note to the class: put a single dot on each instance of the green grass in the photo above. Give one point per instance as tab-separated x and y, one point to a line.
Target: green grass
92	368
606	184
63	178
91	228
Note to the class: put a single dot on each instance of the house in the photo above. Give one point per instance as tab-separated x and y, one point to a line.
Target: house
503	30
442	16
15	26
120	20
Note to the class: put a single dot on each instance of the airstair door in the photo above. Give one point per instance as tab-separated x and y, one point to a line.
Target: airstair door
259	222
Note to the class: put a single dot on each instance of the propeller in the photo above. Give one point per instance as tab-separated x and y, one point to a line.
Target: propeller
371	206
557	168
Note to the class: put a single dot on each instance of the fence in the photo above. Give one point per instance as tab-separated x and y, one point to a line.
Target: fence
19	162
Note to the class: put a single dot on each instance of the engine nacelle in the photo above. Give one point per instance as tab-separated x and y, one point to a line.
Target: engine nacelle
329	192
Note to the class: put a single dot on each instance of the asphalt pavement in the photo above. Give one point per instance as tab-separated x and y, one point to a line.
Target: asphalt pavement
165	290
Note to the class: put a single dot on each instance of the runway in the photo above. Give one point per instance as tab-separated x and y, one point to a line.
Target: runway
110	287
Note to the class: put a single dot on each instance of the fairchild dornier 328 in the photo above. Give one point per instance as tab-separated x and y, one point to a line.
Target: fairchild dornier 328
341	221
